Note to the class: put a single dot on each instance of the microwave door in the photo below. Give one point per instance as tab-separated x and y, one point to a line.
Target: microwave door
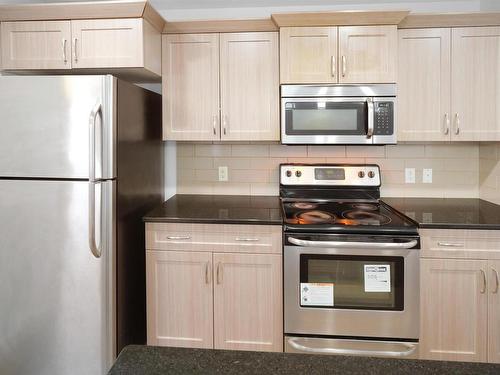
326	120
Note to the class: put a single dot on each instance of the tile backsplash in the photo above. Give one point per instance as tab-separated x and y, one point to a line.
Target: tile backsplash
253	168
489	172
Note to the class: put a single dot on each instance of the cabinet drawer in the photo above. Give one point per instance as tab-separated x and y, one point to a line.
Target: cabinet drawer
214	237
460	243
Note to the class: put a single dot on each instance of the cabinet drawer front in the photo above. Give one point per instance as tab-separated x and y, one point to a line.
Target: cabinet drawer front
214	237
460	243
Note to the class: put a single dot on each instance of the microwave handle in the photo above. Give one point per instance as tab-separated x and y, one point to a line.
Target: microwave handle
350	245
371	117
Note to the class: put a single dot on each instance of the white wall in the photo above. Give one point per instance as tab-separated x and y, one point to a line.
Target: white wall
490	5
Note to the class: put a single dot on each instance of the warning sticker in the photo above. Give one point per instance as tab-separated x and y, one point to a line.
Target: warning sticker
377	278
316	294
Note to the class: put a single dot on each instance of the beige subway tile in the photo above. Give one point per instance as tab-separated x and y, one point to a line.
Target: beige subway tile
264	189
365	151
488	151
233	163
249	175
392	190
452	151
194	163
206	175
307	160
274	176
288	151
387	164
199	188
326	151
468	165
266	163
392	177
448	180
185	175
212	150
185	149
229	188
250	151
427	163
405	151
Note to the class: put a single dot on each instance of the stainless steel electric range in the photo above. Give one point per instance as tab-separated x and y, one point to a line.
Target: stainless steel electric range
351	264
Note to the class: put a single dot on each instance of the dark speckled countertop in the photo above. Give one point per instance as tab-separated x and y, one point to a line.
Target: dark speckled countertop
151	360
448	213
224	209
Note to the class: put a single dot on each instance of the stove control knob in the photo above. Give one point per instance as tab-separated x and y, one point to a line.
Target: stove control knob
289	173
361	174
298	173
371	174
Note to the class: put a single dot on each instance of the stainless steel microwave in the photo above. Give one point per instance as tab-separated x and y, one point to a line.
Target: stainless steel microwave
338	114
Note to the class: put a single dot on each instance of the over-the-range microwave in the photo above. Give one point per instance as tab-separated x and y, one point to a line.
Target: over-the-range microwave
338	114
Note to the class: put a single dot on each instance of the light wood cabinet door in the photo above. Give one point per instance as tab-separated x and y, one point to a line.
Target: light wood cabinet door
308	55
476	84
107	43
249	79
248	302
36	45
454	307
190	77
424	84
494	312
179	299
368	54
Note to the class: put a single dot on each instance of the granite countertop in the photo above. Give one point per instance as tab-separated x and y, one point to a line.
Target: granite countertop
140	359
448	213
224	209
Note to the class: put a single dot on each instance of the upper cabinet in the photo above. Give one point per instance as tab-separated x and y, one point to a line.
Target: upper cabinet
221	87
36	45
449	84
345	54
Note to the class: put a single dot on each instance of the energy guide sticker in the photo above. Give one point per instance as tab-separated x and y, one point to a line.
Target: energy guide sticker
316	294
377	278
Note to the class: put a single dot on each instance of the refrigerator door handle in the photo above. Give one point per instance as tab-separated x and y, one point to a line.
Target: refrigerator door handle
96	111
94	249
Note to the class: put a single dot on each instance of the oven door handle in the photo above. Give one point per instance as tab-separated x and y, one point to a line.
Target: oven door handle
368	353
352	245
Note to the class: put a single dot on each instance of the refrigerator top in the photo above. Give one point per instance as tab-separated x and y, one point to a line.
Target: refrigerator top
58	127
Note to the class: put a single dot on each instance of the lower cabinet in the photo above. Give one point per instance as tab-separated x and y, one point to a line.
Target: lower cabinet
460	296
224	296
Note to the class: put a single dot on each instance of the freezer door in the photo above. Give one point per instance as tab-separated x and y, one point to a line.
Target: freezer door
50	123
57	312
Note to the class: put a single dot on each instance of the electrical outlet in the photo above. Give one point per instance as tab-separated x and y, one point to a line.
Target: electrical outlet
410	175
427	176
223	174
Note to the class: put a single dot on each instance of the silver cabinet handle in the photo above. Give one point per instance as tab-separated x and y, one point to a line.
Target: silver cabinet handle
497	282
178	237
457	124
369	353
94	249
244	239
483	288
214	124
371	117
344	65
446	129
65	57
350	245
207	273
333	67
220	271
92	132
75	54
450	244
224	124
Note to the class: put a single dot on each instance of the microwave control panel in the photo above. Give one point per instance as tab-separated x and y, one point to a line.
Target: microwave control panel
384	118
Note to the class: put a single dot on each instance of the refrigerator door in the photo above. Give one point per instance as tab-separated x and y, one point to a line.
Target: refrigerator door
50	123
57	312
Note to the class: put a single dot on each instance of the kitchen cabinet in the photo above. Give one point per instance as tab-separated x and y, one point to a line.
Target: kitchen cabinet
214	286
424	84
221	87
179	294
344	54
460	307
104	45
36	45
448	84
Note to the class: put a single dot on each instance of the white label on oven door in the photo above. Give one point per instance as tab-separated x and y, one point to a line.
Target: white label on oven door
316	294
377	278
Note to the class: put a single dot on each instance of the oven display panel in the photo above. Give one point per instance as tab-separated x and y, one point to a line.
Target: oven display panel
336	174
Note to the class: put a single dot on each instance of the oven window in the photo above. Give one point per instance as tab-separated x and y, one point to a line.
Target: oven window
326	118
352	282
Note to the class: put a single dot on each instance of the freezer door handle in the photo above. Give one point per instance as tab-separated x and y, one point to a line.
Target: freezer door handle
96	111
94	248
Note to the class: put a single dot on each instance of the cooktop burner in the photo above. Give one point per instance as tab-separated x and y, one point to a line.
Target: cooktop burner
315	217
367	217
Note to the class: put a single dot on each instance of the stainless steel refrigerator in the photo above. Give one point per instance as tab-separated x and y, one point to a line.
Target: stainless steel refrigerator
80	163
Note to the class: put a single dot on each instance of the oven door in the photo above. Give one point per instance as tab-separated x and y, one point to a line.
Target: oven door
327	120
356	286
